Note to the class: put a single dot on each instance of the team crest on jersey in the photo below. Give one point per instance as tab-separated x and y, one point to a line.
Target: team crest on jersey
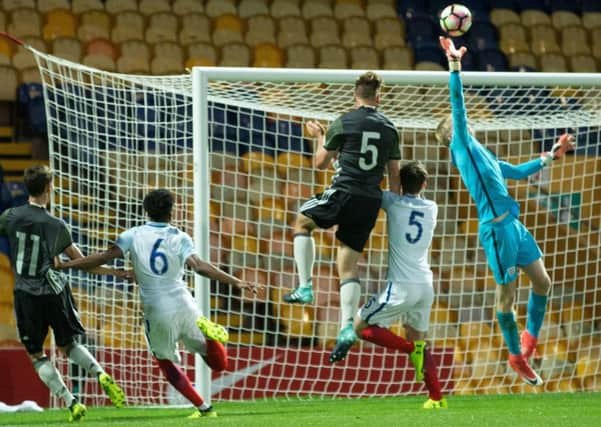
511	271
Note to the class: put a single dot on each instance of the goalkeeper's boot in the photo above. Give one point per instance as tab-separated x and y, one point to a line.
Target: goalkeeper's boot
346	339
112	390
528	344
436	404
417	359
212	330
77	411
520	365
300	295
209	412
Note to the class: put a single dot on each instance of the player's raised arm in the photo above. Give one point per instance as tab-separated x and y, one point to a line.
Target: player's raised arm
94	263
459	114
207	269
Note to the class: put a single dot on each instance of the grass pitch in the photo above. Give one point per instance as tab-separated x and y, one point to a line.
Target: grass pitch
532	410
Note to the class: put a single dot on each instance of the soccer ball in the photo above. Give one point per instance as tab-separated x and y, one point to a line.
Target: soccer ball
455	20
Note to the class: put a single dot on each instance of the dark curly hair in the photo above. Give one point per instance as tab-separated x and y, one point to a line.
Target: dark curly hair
158	205
413	176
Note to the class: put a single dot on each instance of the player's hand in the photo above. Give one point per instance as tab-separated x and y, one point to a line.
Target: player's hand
565	143
57	263
249	286
452	53
127	275
315	129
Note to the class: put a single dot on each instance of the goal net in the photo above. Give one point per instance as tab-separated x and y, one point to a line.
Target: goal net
230	144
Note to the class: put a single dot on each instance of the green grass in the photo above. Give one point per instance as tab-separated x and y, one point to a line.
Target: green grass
532	410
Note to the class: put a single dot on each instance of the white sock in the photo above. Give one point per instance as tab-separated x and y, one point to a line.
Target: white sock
304	254
204	406
82	357
52	378
350	292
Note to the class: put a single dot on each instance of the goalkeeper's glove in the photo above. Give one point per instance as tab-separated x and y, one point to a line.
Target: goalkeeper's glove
564	144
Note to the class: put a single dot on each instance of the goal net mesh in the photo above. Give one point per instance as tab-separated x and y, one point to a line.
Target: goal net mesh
113	137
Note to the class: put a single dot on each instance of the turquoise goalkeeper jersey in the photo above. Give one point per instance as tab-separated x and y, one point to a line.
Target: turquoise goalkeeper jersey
482	173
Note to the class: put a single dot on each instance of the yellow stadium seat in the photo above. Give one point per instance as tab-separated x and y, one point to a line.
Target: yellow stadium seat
591	20
297	320
227	29
282	8
574	41
260	29
10	5
389	32
522	58
255	160
272	210
543	40
356	32
186	7
563	18
530	17
554	63
347	9
94	24
289	165
376	11
6	52
324	31
130	25
583	64
23	58
68	48
150	7
244	252
313	8
25	22
398	58
101	47
292	31
268	55
81	6
101	62
201	54
168	59
163	27
59	23
511	46
115	7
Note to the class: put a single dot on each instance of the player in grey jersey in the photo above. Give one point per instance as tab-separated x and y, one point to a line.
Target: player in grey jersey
363	142
42	296
411	221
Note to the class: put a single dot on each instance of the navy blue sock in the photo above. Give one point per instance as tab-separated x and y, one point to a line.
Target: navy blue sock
537	306
510	331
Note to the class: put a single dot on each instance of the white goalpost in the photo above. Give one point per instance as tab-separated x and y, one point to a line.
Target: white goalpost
230	144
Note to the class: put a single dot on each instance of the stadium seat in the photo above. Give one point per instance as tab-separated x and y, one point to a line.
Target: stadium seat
186	7
398	58
135	57
25	23
267	55
130	25
297	320
102	62
59	23
82	6
500	17
271	216
196	28
292	31
356	32
574	41
227	29
522	59
591	20
150	7
94	24
234	55
314	8
333	56
6	52
162	27
202	51
115	7
300	56
365	58
215	8
168	59
346	9
375	11
282	8
530	17
101	47
68	48
245	252
562	18
543	40
512	31
249	8
324	31
583	64
23	58
260	29
10	5
389	32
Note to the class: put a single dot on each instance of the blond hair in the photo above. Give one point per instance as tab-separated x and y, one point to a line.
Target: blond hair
444	130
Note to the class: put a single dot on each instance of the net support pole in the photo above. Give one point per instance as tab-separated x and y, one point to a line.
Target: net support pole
200	117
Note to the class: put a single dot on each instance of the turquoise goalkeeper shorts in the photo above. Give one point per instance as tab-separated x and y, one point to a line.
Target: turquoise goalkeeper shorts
508	245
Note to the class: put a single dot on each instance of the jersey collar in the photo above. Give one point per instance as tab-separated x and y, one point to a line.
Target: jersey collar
157	224
37	206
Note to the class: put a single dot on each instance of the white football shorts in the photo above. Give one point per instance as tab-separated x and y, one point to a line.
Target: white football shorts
411	301
168	324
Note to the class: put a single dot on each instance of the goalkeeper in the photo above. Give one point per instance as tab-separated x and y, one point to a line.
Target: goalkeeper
507	243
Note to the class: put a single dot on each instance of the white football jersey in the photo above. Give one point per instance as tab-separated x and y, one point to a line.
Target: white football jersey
411	222
158	252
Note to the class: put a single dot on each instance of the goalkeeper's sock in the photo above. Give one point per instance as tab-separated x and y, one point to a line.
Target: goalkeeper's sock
52	378
510	331
180	381
537	305
82	357
385	338
304	255
431	377
350	292
216	356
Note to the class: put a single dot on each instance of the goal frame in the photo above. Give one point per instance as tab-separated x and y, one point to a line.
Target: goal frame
201	76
